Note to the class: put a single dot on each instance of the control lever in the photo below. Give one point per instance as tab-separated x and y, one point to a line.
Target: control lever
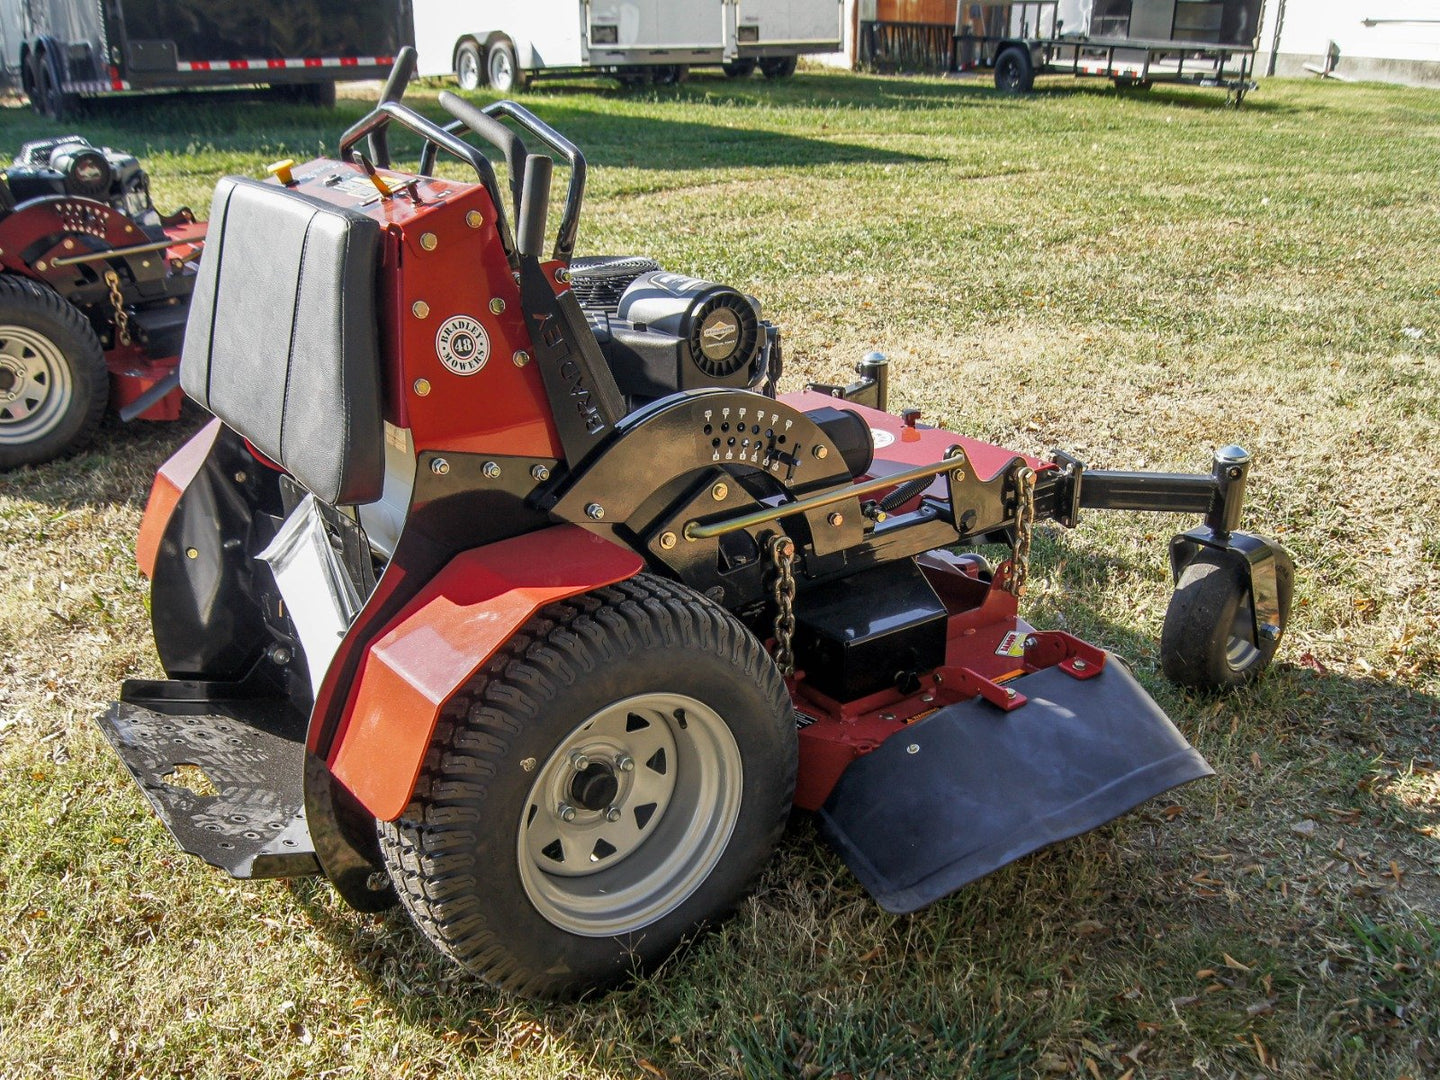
394	90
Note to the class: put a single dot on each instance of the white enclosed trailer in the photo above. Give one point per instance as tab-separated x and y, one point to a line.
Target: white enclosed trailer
503	45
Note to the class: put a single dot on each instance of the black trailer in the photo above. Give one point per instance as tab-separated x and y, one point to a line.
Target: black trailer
71	49
1135	43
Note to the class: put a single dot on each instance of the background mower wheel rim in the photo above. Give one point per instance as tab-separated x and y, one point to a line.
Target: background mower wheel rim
36	387
629	814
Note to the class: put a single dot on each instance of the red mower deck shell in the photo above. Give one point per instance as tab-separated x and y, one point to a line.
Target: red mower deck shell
62	226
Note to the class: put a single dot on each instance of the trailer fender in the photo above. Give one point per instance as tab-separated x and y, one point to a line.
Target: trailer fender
437	642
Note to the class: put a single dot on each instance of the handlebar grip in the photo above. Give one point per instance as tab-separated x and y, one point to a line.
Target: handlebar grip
496	134
534	207
394	89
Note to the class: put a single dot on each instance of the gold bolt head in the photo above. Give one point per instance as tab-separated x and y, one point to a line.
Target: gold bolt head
192	553
521	357
422	387
667	541
497	306
420	309
562	274
439	466
720	491
69	245
429	241
820	453
836	519
474	219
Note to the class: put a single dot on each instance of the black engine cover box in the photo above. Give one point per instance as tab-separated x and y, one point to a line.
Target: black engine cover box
854	636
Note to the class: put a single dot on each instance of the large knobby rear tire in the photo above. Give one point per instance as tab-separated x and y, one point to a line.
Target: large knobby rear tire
613	779
1209	640
54	384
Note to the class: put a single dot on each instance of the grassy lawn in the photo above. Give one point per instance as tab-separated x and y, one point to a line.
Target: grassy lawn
1137	278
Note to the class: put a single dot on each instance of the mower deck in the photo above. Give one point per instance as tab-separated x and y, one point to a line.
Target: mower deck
251	751
972	786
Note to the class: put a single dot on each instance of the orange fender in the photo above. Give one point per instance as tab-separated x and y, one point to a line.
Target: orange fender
434	646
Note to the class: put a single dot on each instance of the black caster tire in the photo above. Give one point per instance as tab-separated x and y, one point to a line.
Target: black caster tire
1014	71
1209	640
740	69
54	384
469	66
613	779
778	67
503	72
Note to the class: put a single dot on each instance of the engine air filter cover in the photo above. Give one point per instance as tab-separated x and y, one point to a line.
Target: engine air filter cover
720	325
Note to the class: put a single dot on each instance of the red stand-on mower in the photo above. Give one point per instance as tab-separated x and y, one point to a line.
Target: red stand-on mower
507	584
94	289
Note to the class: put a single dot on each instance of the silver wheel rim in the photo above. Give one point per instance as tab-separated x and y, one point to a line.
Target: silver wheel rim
1240	651
597	866
469	73
501	73
35	385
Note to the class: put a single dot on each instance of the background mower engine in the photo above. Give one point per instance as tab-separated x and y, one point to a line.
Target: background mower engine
505	583
94	290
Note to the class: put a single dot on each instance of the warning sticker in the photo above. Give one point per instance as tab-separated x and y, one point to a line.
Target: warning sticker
1012	644
462	345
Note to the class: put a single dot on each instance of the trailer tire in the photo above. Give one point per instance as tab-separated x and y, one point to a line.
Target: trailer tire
651	716
469	68
51	100
1129	82
778	67
1209	639
669	74
740	69
1014	71
54	384
502	67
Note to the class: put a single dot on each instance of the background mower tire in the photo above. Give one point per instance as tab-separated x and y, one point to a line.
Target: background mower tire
54	384
612	779
1209	639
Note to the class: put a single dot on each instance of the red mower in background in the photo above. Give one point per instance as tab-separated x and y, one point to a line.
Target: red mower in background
505	583
94	290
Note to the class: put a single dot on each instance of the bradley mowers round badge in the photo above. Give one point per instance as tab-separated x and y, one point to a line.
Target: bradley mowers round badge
463	345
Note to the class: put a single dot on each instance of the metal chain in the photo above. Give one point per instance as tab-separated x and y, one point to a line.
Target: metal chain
1024	530
122	321
781	550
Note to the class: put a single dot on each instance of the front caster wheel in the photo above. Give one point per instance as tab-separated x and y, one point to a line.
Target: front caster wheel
1209	640
616	777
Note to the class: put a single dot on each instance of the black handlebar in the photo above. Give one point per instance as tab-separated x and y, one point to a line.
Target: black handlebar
489	129
386	111
394	90
570	219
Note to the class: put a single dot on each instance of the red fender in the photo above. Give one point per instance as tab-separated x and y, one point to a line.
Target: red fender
433	647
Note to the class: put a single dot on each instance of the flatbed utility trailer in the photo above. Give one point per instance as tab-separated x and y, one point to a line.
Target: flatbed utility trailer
73	49
1134	43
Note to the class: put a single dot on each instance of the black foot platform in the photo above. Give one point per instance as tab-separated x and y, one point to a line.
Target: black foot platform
246	814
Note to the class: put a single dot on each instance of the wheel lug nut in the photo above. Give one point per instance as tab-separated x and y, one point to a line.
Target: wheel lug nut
625	763
567	813
613	814
579	762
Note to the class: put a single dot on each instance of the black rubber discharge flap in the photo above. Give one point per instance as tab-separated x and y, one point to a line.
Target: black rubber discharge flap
971	787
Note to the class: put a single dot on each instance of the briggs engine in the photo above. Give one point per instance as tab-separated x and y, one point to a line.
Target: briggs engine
662	333
72	165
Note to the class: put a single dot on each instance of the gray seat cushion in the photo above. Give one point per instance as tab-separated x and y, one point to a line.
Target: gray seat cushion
281	342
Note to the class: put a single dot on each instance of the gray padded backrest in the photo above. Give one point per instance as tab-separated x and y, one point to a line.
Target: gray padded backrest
281	342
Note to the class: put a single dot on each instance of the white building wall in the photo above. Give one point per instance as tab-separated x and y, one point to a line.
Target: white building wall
1389	40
